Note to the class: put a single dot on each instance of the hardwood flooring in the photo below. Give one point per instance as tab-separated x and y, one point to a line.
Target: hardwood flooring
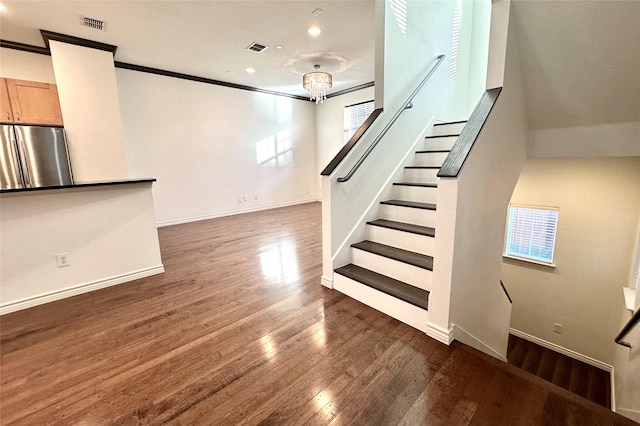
238	330
576	376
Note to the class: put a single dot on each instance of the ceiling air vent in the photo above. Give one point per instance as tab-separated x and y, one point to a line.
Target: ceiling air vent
93	23
257	47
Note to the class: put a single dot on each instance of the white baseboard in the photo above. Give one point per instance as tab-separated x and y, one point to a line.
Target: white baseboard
41	299
630	414
467	338
233	212
440	334
327	282
568	352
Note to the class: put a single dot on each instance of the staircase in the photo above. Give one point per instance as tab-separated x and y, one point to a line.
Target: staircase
392	269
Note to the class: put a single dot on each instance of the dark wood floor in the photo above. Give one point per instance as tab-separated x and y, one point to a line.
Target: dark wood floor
239	331
576	376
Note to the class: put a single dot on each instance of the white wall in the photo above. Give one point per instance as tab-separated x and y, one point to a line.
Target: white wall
599	204
470	222
109	234
627	370
26	66
601	140
199	141
91	112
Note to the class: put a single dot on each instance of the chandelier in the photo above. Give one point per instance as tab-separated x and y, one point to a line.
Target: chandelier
317	84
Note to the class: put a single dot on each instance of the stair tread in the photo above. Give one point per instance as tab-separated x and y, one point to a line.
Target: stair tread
442	136
385	284
411	204
422	167
405	227
422	184
431	151
412	258
449	122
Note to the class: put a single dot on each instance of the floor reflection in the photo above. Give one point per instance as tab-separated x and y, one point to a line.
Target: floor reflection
279	262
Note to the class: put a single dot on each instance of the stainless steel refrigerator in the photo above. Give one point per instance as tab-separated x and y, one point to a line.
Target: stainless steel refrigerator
34	156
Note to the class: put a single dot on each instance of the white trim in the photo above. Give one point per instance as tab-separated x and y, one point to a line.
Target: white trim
440	334
524	259
613	389
629	413
30	302
233	212
568	352
467	338
629	298
327	282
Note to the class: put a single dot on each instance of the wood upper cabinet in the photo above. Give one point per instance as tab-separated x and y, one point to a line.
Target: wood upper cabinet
6	115
33	102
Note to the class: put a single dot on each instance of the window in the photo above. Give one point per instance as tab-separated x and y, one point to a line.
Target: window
354	116
531	233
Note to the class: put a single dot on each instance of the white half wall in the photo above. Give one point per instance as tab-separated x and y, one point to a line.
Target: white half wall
108	233
26	66
470	223
201	142
599	203
91	112
602	140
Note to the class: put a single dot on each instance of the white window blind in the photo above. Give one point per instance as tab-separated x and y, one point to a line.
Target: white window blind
354	116
634	279
531	233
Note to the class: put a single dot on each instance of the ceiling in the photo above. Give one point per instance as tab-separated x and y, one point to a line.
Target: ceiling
580	61
209	38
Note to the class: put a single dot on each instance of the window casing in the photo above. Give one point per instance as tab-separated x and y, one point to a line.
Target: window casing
354	116
531	233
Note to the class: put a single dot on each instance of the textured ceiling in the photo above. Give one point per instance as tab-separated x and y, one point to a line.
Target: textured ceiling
209	38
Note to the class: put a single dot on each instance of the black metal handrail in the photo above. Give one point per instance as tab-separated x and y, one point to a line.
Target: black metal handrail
407	104
635	319
506	293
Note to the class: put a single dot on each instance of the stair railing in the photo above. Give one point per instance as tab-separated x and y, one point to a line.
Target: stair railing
406	105
635	319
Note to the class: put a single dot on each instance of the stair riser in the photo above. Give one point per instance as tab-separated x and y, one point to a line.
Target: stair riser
395	308
420	175
429	158
408	215
405	240
439	143
447	129
422	194
413	275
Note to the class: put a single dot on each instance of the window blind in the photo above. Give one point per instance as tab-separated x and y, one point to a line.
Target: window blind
354	116
531	233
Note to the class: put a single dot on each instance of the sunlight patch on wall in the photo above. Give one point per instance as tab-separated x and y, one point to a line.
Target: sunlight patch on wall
275	150
455	38
399	9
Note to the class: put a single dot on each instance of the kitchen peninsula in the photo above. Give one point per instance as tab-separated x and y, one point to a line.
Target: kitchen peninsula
58	242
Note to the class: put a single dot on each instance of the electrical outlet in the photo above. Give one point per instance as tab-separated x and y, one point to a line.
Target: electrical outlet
63	260
239	198
244	197
255	196
557	328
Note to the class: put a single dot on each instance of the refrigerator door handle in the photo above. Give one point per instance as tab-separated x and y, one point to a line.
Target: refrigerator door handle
26	171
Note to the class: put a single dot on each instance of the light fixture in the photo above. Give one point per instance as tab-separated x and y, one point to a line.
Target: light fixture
314	31
317	83
250	70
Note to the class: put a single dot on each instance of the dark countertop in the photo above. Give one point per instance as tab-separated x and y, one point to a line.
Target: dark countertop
80	185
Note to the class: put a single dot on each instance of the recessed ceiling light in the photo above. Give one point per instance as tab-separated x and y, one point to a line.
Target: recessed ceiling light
250	70
314	31
1	7
279	46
